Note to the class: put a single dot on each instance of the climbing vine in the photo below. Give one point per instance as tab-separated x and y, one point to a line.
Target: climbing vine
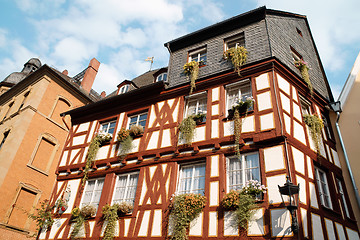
187	130
111	215
315	125
79	216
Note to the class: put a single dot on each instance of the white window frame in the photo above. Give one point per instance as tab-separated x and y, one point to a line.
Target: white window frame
238	39
137	119
243	169
191	190
195	98
323	188
326	126
124	197
124	89
92	202
239	86
162	77
108	124
305	106
342	194
199	53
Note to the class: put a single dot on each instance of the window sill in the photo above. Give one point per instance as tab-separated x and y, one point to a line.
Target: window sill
230	115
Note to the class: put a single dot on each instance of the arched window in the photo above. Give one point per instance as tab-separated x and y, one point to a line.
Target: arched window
162	77
61	105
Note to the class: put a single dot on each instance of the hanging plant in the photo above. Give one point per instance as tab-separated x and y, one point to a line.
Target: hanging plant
237	56
199	118
304	70
111	215
187	130
136	130
94	146
43	217
241	108
184	209
126	142
79	216
315	125
243	201
191	69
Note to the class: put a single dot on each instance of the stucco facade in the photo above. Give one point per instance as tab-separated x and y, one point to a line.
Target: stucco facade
32	135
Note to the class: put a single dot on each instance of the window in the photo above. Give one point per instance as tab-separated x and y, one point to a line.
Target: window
125	188
162	77
199	56
295	55
342	195
24	99
124	89
138	119
92	192
237	92
108	127
242	169
326	126
5	135
323	188
192	179
8	110
305	106
44	153
196	104
234	42
299	32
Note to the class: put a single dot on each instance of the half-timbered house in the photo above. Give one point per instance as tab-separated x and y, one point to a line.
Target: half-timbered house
275	141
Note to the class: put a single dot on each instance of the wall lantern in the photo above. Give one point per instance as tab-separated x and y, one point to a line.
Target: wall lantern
291	190
336	106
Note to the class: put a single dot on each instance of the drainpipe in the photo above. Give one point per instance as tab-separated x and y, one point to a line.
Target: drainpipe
347	159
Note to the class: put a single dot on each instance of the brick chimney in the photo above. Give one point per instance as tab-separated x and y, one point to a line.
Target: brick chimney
90	75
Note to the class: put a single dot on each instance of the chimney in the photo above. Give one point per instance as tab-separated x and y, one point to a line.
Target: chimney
90	75
103	94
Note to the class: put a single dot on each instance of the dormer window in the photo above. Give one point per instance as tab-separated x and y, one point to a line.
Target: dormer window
162	77
124	89
198	55
235	41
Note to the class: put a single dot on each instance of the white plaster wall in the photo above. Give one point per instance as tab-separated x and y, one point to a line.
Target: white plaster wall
215	128
153	141
120	122
287	123
264	101
196	226
83	127
285	102
294	92
73	185
248	124
214	171
214	193
215	94
215	110
199	134
92	130
73	153
126	226
283	84
302	192
79	140
299	160
256	224
55	227
143	191
299	133
353	235
157	223
176	111
229	128
267	121
297	112
330	229
274	158
280	222
166	139
304	222
309	167
336	158
340	231
92	226
316	227
152	116
103	152
135	144
144	224
313	196
213	224
272	188
262	82
64	157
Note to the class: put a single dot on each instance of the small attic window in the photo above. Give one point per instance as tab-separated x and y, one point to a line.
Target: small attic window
124	89
162	77
296	56
299	31
235	41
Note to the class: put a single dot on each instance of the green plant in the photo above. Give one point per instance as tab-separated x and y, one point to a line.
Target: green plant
43	216
79	216
191	69
122	134
230	200
136	130
315	125
111	215
93	149
237	56
304	70
187	130
125	141
199	117
244	211
184	209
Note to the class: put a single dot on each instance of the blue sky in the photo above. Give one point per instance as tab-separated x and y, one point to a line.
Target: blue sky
121	34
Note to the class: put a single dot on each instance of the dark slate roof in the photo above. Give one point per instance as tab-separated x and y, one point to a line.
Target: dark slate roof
14	78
